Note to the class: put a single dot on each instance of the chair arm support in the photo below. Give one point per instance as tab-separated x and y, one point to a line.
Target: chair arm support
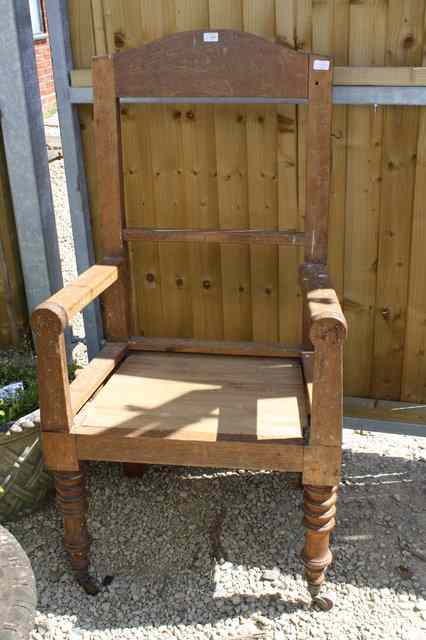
58	310
324	308
49	321
327	332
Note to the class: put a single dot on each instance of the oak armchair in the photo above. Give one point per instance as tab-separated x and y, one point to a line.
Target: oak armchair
199	402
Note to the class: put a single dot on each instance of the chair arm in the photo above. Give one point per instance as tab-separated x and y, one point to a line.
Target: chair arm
49	320
323	305
60	308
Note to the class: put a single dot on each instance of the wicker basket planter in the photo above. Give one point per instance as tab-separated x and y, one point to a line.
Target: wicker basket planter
24	479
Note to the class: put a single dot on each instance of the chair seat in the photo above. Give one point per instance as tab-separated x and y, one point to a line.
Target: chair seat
199	398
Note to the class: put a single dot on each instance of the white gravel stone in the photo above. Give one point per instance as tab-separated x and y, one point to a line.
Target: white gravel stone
158	537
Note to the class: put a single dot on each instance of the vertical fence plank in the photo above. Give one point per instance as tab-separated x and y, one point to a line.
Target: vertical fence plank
337	46
289	216
99	31
365	130
82	35
231	151
148	286
303	42
169	191
404	46
263	188
13	312
200	175
414	370
414	366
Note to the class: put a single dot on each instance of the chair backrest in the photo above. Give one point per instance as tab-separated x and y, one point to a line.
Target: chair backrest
215	67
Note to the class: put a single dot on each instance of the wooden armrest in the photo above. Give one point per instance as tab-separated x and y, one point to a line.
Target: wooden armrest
323	304
58	310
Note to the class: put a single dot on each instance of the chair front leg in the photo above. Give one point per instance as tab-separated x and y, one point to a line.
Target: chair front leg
319	520
72	503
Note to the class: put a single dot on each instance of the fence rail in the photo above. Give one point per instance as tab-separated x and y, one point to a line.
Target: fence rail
196	166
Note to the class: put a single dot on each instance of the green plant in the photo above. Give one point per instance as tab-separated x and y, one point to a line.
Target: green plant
20	366
24	401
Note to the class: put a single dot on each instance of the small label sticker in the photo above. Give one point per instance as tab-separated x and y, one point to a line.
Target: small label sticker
321	65
212	36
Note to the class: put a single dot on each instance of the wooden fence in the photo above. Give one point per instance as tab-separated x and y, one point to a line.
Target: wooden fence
13	313
240	167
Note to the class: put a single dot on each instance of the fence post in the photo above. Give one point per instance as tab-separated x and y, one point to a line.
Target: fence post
57	15
26	155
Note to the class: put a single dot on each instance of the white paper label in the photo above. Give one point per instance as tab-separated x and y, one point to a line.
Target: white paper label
211	37
321	65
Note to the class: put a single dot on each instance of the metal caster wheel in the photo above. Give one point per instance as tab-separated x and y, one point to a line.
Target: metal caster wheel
89	584
325	601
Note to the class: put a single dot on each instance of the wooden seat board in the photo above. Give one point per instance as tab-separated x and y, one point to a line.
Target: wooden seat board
200	398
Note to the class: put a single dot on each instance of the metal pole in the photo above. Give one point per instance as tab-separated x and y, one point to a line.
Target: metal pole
57	15
26	154
362	95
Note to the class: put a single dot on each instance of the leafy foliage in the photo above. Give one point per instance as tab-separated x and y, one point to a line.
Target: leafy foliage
20	366
24	401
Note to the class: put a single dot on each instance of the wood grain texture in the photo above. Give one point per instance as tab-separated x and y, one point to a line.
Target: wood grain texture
222	347
59	451
320	520
71	499
342	75
199	162
84	289
230	236
227	455
321	465
414	367
358	34
289	212
109	168
89	379
48	322
331	37
367	45
199	398
81	32
405	26
385	410
184	64
13	312
262	133
308	376
323	305
392	76
318	161
327	389
232	184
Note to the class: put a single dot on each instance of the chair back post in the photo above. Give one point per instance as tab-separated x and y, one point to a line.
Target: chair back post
318	167
107	125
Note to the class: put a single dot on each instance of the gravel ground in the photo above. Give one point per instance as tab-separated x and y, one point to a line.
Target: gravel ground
206	554
66	249
210	554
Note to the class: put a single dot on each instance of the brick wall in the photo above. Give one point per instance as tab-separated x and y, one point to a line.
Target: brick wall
44	71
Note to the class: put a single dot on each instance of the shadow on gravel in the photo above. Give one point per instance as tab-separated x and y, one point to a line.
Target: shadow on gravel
198	546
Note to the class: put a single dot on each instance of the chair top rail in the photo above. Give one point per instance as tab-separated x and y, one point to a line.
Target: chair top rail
213	66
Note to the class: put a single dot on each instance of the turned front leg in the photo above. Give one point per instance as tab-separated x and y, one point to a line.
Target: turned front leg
319	520
72	503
